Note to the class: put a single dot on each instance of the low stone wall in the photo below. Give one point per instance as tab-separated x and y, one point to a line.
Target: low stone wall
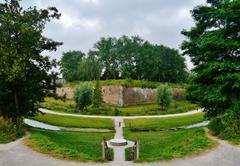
123	96
134	96
66	91
113	95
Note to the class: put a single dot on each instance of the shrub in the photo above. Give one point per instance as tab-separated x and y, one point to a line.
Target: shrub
9	131
226	126
97	95
83	97
163	96
116	112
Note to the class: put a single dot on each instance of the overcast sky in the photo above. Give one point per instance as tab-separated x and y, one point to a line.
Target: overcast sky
83	22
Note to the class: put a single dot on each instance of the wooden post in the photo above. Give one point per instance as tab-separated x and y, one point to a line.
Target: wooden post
137	151
103	150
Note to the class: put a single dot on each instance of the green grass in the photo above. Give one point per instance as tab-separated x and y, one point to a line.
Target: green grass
177	106
125	83
78	122
167	145
143	124
77	146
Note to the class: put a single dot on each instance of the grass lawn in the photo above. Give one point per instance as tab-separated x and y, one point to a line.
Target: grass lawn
77	146
126	83
177	106
143	124
78	122
167	145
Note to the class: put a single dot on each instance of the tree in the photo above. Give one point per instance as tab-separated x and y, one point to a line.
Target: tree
70	63
25	74
89	68
163	96
83	97
213	45
106	51
97	95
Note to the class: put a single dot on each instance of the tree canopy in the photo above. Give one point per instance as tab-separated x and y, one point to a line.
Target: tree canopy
131	58
214	46
25	74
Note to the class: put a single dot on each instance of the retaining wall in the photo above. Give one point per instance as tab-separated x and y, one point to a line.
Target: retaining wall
123	96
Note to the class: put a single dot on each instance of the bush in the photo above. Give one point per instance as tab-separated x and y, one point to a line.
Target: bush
97	95
226	126
83	97
9	131
163	96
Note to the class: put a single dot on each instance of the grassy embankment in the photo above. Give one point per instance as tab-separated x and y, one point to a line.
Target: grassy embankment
154	124
159	143
125	83
177	106
77	146
75	122
167	145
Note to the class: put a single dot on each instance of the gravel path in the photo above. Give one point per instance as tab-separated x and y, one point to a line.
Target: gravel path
123	117
17	154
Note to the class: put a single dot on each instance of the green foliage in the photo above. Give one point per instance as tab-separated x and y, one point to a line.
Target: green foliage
97	95
163	96
75	122
69	64
167	145
89	68
83	97
213	45
226	126
9	131
25	74
79	146
130	58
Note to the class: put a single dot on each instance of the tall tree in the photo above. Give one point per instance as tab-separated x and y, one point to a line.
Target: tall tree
69	64
25	77
214	47
106	51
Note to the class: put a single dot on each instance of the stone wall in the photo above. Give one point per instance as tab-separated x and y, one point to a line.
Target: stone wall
65	91
113	95
123	96
134	96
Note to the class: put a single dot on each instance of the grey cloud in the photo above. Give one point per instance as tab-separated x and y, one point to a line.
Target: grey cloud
83	22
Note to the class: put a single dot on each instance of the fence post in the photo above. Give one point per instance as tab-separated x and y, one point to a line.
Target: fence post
105	150
137	151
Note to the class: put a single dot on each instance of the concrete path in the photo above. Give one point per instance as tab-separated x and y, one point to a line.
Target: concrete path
123	117
119	151
15	153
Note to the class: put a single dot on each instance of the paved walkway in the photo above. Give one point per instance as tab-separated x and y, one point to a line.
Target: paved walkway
123	117
119	151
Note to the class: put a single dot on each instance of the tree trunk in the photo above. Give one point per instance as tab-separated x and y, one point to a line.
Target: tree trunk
16	119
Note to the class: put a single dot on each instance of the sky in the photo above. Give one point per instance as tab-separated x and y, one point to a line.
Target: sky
83	22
